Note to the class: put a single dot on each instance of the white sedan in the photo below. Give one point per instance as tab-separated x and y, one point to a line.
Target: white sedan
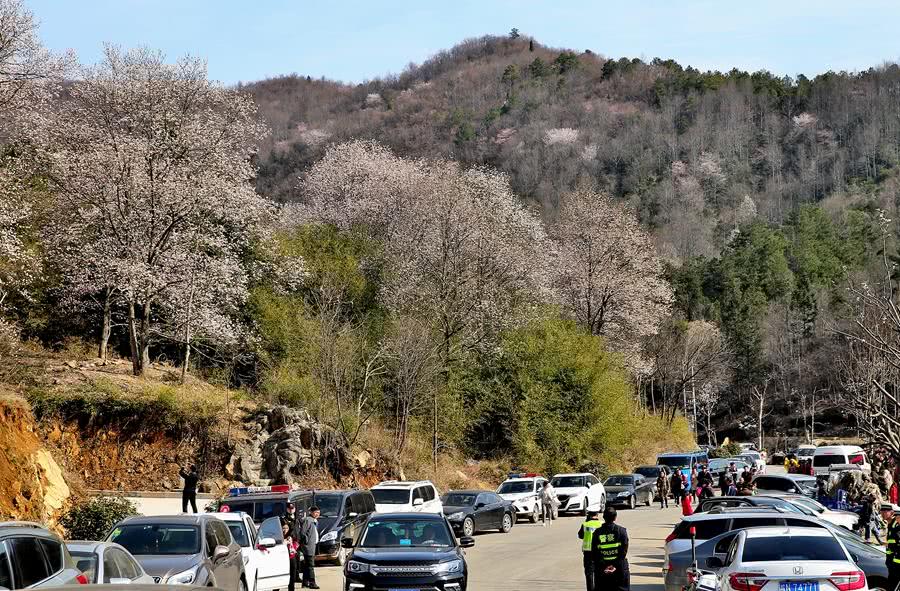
788	559
107	563
266	557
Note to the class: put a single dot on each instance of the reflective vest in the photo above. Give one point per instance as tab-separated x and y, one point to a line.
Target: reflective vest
588	528
893	541
609	542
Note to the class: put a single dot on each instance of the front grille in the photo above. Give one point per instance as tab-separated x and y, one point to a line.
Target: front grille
563	498
403	571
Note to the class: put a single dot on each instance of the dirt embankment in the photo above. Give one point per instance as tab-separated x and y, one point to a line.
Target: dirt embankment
32	484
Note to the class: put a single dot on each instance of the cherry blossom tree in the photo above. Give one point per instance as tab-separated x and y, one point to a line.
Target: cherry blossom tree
152	158
607	275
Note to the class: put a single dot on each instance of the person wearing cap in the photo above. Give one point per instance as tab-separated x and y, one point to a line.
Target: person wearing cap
609	548
586	535
309	539
892	556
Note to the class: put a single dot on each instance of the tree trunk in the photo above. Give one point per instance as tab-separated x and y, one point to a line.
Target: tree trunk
145	338
137	367
106	329
187	334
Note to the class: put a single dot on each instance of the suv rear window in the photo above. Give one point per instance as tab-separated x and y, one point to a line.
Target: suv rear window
706	529
772	483
390	496
825	461
744	522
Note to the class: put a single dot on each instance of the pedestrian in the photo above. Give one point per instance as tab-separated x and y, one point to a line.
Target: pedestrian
548	501
189	493
677	486
730	489
292	545
586	534
704	483
892	558
308	539
290	515
692	485
662	489
686	507
610	550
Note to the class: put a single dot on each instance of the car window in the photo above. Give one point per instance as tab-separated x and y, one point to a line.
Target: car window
386	532
745	522
370	502
110	567
28	561
725	543
53	552
792	548
770	483
348	505
251	531
209	535
157	539
418	493
271	528
128	568
391	496
492	498
515	487
223	535
5	575
825	461
732	551
239	533
358	503
793	521
430	493
266	509
859	458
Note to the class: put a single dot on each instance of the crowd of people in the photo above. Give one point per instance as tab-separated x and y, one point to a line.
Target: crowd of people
700	484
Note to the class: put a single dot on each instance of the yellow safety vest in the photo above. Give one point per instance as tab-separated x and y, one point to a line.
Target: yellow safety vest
893	540
588	528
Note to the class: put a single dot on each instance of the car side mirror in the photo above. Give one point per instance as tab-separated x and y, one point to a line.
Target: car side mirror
116	581
479	505
418	502
352	514
220	552
264	543
466	542
347	543
714	562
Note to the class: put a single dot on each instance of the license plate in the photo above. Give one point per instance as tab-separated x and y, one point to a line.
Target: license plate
799	586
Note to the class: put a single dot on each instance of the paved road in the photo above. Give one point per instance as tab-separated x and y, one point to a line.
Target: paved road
533	557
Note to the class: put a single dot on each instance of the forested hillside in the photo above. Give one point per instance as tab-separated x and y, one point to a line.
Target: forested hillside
764	195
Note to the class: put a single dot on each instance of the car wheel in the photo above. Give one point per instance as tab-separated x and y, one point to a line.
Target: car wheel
507	523
341	557
535	515
632	502
468	527
584	507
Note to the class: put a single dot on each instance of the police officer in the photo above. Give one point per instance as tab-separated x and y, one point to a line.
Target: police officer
586	534
609	548
892	558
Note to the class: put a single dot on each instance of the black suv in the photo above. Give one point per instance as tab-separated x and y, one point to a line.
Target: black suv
407	550
344	514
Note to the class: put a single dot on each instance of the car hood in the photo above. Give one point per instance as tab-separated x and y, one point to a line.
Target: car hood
572	491
166	566
618	488
395	556
326	524
451	509
515	496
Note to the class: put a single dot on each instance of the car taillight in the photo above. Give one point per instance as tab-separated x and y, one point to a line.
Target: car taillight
746	581
848	580
82	579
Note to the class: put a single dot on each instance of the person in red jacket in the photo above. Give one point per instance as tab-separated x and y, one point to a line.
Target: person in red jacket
686	507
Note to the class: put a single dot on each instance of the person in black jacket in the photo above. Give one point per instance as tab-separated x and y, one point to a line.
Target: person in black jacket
610	550
189	494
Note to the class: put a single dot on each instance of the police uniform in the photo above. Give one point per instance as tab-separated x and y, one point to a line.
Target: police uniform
609	548
892	559
586	533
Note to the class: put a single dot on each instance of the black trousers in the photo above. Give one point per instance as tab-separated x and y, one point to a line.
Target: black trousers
617	581
188	497
893	574
589	571
292	564
309	569
663	500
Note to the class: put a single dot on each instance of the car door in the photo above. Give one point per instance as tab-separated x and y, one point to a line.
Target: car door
498	508
432	499
274	559
227	569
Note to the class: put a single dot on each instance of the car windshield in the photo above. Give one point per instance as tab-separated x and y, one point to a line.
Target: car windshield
792	548
717	464
239	533
157	538
567	481
809	504
406	533
674	461
390	496
459	499
329	504
619	481
86	562
511	488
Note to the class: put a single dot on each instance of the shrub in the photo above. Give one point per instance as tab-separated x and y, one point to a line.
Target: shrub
729	450
93	518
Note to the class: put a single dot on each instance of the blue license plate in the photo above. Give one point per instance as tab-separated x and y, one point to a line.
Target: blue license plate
799	586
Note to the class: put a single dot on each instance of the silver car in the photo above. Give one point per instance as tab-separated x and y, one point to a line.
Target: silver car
31	556
107	563
184	549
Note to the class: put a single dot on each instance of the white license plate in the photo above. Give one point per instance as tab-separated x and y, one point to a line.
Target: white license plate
798	586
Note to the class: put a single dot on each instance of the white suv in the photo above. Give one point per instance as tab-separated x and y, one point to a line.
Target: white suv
265	555
393	496
524	490
578	491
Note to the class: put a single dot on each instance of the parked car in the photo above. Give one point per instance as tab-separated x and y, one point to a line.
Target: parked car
393	496
471	511
786	483
32	556
266	558
810	558
683	462
263	502
107	563
844	519
408	551
184	549
754	459
827	455
868	557
718	465
782	504
576	491
524	491
629	490
343	515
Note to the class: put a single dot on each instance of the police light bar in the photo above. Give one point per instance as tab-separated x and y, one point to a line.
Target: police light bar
249	490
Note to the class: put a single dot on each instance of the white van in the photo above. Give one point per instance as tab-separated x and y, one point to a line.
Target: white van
829	455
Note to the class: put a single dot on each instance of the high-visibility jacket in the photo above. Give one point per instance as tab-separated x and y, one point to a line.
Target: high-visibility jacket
586	533
610	545
893	543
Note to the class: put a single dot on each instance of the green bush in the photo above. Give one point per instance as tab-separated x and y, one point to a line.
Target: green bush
92	519
729	450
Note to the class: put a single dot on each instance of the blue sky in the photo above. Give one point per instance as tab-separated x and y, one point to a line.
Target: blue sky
354	40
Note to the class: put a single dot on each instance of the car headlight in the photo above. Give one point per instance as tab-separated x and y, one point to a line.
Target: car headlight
357	567
624	493
456	516
183	578
446	568
329	537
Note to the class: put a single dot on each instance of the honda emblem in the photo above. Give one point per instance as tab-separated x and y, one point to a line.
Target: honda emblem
798	570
